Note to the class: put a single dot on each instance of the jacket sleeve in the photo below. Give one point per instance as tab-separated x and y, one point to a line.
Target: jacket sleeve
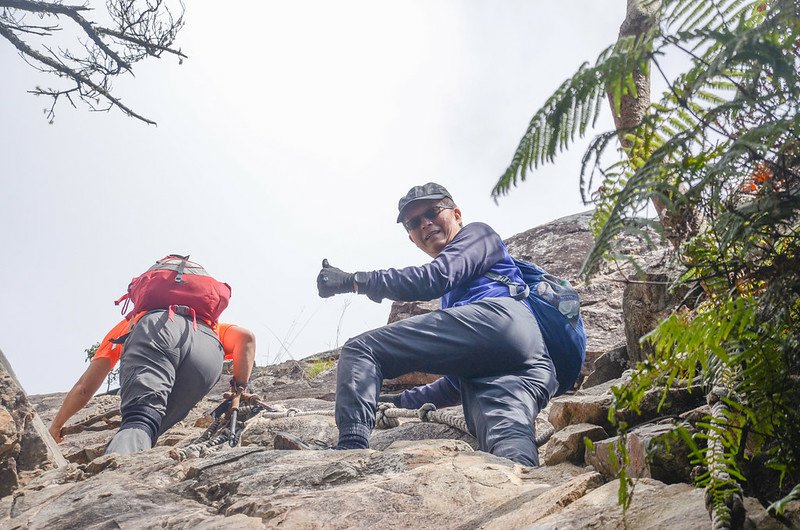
444	392
471	253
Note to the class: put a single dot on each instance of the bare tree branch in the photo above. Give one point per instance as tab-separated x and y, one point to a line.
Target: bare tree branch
50	113
40	7
139	29
67	72
42	31
140	42
71	12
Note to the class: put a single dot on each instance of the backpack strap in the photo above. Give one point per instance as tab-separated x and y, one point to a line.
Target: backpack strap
121	339
182	310
124	298
516	290
181	267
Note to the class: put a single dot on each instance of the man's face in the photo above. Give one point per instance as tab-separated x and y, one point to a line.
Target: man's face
431	235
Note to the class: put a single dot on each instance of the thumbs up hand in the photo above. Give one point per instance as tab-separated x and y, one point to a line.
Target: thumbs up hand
331	281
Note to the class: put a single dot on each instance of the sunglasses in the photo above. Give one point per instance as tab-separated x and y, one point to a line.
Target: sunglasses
430	214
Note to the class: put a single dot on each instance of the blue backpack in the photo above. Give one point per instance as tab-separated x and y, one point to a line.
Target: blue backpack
556	306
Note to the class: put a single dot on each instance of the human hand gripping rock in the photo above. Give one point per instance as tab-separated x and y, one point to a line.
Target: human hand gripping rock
55	432
331	281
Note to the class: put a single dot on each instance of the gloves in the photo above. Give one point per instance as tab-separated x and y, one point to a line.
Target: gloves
390	398
331	281
236	387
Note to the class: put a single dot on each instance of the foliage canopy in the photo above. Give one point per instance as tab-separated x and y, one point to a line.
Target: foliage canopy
720	149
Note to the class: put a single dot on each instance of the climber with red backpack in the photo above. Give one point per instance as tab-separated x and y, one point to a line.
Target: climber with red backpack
170	347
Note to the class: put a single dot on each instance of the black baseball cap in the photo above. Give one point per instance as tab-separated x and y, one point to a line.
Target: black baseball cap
431	190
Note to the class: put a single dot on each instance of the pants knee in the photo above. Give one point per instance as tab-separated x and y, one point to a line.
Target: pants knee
354	347
520	450
356	351
142	417
513	441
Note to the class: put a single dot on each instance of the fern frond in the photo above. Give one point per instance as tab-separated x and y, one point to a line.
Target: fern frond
723	145
778	507
688	15
575	104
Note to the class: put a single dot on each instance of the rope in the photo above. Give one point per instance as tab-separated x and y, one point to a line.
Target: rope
211	430
387	416
547	432
721	509
218	433
200	449
290	413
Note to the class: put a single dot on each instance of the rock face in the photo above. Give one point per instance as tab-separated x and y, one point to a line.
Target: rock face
646	302
400	311
653	450
568	443
25	445
608	366
561	247
418	474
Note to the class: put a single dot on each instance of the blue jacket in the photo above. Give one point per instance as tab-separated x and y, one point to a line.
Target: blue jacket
457	276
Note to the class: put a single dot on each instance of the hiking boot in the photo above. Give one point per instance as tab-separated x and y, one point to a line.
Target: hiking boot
290	442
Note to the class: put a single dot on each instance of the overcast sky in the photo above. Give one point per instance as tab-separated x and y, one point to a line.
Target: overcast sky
287	137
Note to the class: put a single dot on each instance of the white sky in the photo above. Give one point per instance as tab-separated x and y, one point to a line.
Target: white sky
287	136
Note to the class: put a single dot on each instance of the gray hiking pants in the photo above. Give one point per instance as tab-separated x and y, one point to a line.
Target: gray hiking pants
495	348
166	367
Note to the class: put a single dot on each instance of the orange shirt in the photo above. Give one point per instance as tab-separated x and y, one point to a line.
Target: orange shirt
112	351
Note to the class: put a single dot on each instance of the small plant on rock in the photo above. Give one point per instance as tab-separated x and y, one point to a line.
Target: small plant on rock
317	367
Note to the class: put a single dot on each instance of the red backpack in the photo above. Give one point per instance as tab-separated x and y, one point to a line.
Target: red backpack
178	285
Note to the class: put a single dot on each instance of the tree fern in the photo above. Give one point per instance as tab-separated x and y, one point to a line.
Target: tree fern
574	105
719	153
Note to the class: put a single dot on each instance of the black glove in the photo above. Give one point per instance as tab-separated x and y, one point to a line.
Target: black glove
236	387
390	398
331	281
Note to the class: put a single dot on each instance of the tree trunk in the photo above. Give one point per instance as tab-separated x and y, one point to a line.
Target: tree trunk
640	17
